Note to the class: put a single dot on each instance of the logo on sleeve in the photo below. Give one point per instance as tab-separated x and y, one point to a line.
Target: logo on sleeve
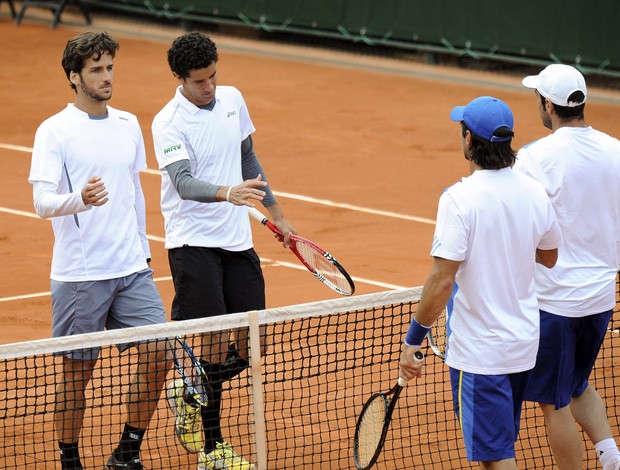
172	148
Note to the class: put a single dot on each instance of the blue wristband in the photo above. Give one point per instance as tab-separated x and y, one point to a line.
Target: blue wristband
416	333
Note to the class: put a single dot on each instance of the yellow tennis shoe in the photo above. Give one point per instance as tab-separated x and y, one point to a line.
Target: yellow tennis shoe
188	422
223	458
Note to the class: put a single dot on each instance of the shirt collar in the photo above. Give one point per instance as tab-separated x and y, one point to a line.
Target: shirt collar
185	103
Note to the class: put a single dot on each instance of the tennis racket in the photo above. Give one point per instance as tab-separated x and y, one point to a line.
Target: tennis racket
437	336
191	372
373	424
318	261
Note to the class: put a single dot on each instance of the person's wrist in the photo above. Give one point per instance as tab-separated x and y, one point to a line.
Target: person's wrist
228	193
416	333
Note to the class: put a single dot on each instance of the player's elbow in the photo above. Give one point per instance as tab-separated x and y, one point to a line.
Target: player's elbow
41	210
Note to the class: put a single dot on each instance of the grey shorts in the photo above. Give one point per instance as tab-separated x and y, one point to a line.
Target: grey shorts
92	306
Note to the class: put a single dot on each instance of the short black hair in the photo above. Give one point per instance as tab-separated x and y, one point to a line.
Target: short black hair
84	46
567	113
491	155
191	51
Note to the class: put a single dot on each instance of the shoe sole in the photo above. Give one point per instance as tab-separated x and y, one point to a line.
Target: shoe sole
220	466
251	467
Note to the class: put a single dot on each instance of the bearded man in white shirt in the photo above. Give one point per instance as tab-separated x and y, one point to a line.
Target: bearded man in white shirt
580	170
85	170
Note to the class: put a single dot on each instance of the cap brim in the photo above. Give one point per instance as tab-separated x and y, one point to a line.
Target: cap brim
532	81
457	114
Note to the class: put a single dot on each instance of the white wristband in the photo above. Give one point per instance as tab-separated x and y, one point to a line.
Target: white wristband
228	193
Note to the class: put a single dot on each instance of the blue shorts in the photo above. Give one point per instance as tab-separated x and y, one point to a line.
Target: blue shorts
567	352
91	306
489	411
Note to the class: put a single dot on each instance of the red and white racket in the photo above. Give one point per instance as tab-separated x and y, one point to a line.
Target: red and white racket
318	261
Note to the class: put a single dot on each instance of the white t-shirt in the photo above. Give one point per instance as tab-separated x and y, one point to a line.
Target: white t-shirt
70	148
493	221
580	170
211	141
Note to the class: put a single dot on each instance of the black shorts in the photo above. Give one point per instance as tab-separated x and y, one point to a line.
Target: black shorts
213	281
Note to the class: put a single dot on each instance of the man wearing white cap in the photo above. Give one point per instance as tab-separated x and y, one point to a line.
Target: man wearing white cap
580	169
492	228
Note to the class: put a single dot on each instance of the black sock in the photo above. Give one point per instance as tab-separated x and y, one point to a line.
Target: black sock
129	446
211	413
69	456
234	362
233	366
216	374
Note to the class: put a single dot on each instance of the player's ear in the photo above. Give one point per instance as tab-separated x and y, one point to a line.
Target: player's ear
548	106
74	78
468	138
466	143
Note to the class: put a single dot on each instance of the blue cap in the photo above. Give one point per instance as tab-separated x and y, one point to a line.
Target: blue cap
483	116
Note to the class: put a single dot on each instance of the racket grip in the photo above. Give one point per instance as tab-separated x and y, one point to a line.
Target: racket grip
257	215
419	357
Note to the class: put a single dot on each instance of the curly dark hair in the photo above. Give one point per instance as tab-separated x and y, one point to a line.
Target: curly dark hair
84	46
491	155
192	51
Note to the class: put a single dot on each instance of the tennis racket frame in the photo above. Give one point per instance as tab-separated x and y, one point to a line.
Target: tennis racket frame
201	398
295	239
394	392
437	335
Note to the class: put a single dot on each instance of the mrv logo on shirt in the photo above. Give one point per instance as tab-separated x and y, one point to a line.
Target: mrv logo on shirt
172	148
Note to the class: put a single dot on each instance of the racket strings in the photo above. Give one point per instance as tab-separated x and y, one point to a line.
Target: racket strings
370	430
438	336
323	266
197	390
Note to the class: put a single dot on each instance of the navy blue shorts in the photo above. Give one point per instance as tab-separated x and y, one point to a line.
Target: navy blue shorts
212	281
567	352
489	410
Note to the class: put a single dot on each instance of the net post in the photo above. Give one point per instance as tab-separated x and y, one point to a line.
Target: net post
257	391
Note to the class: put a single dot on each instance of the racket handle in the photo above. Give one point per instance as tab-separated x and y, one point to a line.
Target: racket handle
257	215
419	357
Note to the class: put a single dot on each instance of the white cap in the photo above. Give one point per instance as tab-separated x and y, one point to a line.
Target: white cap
557	82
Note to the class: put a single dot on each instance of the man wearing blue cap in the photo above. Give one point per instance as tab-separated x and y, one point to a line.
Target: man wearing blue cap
492	228
580	170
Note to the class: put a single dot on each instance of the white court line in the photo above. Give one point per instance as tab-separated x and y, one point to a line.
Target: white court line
299	267
271	262
303	268
169	278
22	213
47	294
298	197
155	238
327	202
19	148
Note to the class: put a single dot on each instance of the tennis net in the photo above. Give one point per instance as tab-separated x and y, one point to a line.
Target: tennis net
295	406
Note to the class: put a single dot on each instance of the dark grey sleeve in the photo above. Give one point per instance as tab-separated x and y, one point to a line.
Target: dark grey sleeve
251	168
189	187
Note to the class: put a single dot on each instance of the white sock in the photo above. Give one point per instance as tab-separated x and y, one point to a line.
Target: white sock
608	454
